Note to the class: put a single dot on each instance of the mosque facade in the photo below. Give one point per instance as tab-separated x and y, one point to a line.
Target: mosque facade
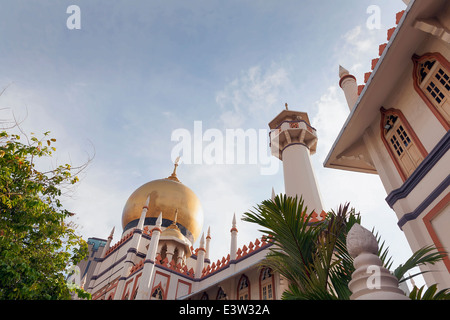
162	219
397	128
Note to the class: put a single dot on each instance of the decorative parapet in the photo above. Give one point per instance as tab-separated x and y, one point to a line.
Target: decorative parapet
119	243
381	49
220	264
241	253
176	267
137	267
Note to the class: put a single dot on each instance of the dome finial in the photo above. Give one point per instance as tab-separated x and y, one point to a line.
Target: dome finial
174	222
176	216
173	176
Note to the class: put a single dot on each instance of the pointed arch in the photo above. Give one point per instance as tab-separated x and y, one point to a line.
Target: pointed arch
266	284
204	296
431	79
401	142
221	295
157	293
243	288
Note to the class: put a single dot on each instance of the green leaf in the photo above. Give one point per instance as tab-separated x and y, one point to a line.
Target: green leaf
425	255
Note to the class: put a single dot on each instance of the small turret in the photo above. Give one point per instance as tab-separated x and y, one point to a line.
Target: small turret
349	85
108	243
234	232
200	258
208	240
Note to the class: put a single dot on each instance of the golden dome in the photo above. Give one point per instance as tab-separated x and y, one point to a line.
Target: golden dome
166	196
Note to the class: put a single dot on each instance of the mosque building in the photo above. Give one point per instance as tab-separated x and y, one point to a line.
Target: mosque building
162	219
397	128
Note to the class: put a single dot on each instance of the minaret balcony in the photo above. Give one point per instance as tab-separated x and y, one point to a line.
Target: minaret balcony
291	132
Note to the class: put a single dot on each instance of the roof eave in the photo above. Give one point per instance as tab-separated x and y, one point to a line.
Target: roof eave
368	102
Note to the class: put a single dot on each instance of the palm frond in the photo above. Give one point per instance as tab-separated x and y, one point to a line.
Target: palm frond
425	255
430	294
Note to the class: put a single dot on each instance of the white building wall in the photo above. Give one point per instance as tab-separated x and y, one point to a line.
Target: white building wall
429	131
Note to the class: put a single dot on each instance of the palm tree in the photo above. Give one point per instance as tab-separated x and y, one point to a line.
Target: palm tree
313	256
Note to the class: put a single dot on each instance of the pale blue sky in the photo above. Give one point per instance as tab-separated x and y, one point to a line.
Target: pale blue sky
137	70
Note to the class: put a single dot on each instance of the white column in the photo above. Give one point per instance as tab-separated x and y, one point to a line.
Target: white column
233	245
208	240
348	84
299	178
108	243
131	252
149	263
200	258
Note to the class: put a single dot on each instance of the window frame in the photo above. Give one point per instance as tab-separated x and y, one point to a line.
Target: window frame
265	282
420	86
243	290
411	134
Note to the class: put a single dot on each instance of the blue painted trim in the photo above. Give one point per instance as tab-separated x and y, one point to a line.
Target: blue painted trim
422	170
428	200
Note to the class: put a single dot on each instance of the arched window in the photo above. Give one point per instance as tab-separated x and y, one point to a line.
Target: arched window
432	82
204	296
243	288
221	295
266	281
405	149
157	294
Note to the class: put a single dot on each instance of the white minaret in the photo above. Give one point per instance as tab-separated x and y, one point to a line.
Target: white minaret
149	262
293	140
108	243
348	84
208	241
233	245
132	251
200	258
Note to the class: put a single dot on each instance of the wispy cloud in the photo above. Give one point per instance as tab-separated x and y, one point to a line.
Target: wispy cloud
252	95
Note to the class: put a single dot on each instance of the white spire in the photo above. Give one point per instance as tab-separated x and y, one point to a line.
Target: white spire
200	258
208	240
202	241
233	244
140	225
176	216
349	85
108	242
159	220
149	265
112	232
343	71
273	194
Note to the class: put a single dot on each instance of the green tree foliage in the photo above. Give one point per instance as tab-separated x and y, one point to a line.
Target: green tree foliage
313	256
37	245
